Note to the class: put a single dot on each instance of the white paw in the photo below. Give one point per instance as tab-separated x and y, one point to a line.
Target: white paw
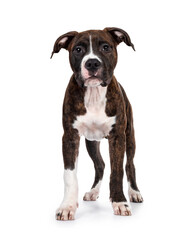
91	196
121	208
134	196
66	212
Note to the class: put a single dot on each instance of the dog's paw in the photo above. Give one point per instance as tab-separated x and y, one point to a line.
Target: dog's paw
91	196
135	196
66	212
121	208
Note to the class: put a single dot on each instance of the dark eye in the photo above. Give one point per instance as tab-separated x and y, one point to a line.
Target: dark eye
106	47
78	50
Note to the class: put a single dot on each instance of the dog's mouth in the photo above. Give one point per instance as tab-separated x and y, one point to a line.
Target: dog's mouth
92	81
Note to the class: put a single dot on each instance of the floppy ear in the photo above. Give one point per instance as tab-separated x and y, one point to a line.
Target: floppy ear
119	36
63	42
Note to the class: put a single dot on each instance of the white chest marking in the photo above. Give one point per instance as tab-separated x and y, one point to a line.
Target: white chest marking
95	124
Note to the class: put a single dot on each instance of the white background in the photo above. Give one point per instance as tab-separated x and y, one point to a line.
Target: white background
31	94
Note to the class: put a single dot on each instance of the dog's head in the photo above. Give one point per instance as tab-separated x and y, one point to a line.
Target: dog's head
93	54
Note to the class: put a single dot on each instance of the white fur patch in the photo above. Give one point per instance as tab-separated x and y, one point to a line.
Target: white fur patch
95	124
90	55
67	209
121	208
134	196
93	194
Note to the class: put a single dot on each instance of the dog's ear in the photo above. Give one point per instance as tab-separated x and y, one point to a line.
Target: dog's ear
119	36
63	42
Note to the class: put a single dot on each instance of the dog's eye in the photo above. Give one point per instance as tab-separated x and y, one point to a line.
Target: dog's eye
106	47
78	50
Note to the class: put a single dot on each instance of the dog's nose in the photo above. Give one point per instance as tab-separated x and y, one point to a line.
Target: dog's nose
92	64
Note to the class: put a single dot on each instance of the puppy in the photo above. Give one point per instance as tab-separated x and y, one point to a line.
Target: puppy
96	107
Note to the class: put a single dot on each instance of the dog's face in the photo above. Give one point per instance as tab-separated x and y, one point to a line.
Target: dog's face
92	54
93	57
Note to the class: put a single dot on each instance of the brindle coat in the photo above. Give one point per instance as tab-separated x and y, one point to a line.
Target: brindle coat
121	137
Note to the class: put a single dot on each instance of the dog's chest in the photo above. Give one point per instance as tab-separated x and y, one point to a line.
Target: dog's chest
95	124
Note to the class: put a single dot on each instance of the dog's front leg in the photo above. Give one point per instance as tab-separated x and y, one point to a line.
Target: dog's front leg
117	144
68	207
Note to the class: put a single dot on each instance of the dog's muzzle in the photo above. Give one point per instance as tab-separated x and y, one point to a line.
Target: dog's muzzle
93	66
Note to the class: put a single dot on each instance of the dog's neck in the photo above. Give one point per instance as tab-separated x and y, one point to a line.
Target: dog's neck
95	97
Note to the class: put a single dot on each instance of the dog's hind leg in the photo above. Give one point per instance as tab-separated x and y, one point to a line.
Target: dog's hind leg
94	153
133	191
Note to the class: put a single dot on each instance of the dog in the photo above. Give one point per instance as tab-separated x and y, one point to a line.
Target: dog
96	107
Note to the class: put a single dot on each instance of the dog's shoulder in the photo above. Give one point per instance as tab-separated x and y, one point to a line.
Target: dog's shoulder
74	98
115	98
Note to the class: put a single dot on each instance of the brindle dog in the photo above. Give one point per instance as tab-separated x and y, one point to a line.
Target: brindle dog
96	106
